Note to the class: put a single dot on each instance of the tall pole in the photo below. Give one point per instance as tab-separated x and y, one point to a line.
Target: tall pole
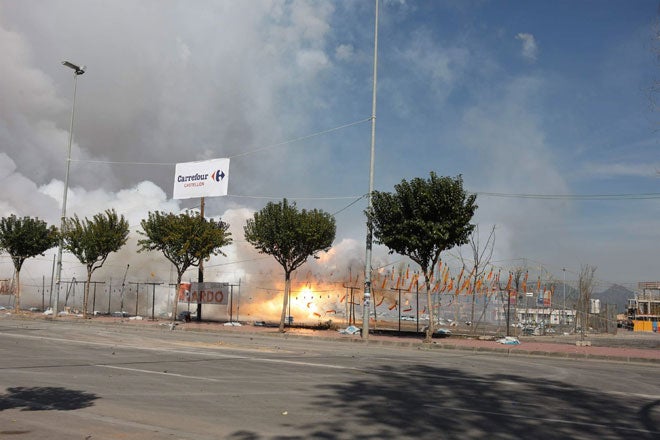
109	296
52	278
367	265
231	303
200	268
76	71
238	304
417	306
508	312
563	311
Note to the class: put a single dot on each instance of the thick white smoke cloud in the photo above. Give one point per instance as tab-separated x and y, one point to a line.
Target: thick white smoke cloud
172	82
149	95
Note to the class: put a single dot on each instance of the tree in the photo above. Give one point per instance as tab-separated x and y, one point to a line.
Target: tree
185	239
585	289
421	219
481	258
24	238
520	285
290	236
91	241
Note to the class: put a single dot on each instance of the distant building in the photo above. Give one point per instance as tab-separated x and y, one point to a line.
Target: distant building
644	310
537	315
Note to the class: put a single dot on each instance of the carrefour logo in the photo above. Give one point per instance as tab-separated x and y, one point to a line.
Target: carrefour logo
191	177
218	175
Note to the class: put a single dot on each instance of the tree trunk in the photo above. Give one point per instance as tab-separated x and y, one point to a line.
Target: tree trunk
86	293
17	299
176	295
285	300
431	328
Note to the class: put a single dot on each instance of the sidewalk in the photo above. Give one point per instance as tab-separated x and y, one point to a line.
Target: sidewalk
527	347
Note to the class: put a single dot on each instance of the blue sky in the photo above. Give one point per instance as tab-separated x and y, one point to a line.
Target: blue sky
521	98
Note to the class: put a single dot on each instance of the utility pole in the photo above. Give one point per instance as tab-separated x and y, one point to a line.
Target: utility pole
367	265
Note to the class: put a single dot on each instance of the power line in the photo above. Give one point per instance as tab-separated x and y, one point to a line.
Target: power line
349	205
267	147
641	196
302	138
297	198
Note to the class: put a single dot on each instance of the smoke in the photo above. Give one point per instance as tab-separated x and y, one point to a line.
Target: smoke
150	98
169	82
320	281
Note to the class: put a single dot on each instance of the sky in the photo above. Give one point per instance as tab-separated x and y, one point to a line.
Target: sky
546	109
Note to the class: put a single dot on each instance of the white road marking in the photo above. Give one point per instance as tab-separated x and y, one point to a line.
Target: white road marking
160	373
189	352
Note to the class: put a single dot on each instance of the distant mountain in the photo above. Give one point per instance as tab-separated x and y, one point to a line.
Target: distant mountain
615	294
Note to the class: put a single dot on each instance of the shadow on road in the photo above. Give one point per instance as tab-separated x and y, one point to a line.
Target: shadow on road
425	402
45	399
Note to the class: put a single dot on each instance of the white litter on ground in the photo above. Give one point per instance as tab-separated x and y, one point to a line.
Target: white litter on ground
509	340
350	330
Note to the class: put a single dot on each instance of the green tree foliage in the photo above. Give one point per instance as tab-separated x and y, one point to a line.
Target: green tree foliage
24	238
421	219
290	236
185	239
91	241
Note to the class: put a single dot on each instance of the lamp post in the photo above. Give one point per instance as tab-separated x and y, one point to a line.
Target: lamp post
77	70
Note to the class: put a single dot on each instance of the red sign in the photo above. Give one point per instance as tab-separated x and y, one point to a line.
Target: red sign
204	293
6	287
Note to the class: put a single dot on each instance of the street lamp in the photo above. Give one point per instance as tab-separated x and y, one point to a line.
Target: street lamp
77	70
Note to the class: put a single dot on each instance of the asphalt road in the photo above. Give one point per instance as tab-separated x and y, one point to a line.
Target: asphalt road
63	380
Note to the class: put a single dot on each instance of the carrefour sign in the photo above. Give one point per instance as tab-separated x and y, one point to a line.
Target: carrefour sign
208	178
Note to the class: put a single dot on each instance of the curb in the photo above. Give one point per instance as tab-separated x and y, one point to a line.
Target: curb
444	346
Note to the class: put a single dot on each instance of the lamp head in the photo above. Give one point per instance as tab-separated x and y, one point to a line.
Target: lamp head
77	69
